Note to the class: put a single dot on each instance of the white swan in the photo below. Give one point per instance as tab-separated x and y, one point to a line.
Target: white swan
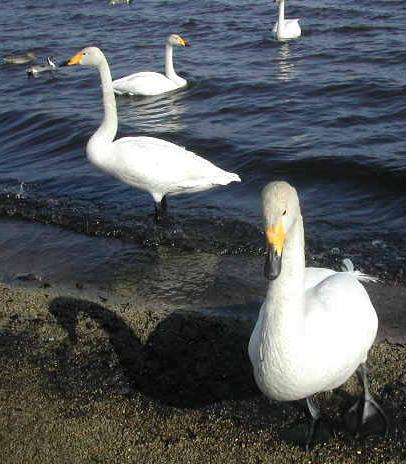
316	325
36	69
120	2
154	165
285	29
153	83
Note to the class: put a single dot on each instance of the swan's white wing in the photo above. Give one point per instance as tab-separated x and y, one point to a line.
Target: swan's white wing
314	275
339	310
161	167
144	83
340	326
292	28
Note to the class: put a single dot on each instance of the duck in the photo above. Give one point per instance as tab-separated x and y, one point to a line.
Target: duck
34	70
285	29
315	326
20	58
153	83
156	166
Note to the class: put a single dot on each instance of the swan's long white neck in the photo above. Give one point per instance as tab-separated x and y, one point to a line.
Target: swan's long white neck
169	69
108	127
281	14
285	297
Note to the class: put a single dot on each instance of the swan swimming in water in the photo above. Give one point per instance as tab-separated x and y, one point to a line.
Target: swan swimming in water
316	326
153	83
154	165
120	2
34	70
285	29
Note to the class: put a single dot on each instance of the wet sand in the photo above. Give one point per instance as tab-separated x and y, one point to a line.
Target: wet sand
84	382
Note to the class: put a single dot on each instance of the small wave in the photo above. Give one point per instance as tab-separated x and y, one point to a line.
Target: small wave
218	235
368	173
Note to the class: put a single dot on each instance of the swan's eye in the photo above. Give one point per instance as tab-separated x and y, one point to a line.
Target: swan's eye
284	213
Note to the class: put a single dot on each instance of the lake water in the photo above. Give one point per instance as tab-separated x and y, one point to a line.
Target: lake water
325	112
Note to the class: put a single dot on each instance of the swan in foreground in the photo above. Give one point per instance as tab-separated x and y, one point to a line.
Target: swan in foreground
154	165
153	83
20	58
285	28
316	325
36	69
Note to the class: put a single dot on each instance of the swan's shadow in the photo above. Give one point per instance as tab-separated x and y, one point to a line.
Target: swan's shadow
186	360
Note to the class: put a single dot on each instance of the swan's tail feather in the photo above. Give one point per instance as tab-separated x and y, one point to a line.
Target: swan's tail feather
234	177
348	266
227	178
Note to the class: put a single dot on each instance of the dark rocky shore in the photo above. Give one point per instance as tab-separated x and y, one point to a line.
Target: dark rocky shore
85	382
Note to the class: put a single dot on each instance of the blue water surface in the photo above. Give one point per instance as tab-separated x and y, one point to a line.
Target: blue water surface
325	112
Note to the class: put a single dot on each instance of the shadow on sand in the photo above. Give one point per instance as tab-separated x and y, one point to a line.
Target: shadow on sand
186	360
183	360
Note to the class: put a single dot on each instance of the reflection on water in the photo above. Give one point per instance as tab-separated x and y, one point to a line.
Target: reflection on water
122	272
105	268
153	114
178	278
285	64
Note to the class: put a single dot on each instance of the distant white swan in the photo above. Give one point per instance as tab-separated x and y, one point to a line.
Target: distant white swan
154	165
120	2
153	83
36	69
316	326
285	29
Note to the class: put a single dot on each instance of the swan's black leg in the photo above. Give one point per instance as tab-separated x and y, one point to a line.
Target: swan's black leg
158	212
314	420
164	204
366	407
160	209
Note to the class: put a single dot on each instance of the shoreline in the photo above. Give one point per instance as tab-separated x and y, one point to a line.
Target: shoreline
90	382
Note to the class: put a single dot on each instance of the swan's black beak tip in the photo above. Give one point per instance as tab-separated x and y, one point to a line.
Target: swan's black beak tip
273	264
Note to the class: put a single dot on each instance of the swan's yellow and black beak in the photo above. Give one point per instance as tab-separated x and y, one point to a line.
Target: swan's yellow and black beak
183	42
275	240
76	59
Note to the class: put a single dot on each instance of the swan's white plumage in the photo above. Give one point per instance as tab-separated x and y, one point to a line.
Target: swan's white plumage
154	165
144	83
159	167
285	29
153	83
315	326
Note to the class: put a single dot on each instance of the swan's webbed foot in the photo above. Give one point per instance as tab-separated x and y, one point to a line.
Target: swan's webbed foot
307	435
365	408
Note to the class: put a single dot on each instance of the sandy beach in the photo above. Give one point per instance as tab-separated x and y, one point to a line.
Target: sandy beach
93	382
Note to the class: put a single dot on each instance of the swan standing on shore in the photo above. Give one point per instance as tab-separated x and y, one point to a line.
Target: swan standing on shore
316	326
153	83
285	29
154	165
